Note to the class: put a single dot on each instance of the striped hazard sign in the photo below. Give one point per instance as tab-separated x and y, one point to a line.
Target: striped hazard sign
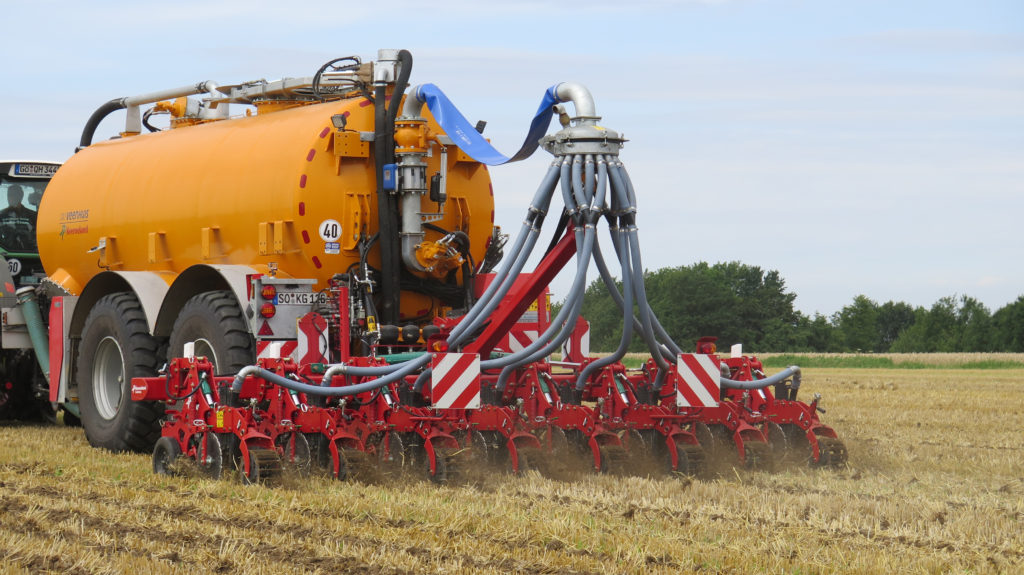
455	381
700	380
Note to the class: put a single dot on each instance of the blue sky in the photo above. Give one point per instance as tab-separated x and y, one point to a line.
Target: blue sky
863	147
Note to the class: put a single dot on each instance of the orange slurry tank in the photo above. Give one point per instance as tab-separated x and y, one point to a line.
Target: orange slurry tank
263	191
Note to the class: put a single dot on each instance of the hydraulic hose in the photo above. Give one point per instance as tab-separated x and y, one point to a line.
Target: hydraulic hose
94	120
791	371
387	210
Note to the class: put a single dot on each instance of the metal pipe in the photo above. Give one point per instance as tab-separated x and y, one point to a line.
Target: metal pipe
581	99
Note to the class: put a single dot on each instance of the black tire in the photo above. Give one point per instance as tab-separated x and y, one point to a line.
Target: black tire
214	321
165	456
116	346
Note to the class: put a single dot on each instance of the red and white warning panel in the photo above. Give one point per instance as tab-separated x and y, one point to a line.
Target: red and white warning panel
455	381
700	380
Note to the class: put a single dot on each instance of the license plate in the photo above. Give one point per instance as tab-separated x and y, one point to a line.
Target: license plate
300	298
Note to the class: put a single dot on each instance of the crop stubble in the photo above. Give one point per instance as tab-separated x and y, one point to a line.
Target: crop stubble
935	484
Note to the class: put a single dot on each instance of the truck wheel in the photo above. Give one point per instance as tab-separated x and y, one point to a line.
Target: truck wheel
214	321
116	346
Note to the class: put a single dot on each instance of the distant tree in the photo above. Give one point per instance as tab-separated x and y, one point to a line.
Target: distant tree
857	324
952	324
1008	327
893	319
734	301
974	326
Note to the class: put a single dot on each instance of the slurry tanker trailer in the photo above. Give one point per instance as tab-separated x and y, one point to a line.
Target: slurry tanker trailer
319	281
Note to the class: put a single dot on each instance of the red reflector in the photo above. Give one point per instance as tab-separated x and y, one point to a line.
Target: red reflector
440	346
9	386
268	292
268	310
265	330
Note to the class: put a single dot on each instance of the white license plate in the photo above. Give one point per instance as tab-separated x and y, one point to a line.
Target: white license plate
300	298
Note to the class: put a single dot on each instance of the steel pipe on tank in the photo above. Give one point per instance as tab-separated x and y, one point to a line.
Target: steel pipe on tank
581	99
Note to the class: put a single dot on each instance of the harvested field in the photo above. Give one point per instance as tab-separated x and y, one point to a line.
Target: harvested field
935	484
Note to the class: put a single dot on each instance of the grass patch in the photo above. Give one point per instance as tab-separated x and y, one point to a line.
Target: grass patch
992	364
786	360
881	362
910	361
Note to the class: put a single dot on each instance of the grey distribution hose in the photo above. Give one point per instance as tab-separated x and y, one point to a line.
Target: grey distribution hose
406	369
510	269
791	371
627	326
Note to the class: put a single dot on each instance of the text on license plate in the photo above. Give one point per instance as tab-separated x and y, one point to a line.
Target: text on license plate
300	298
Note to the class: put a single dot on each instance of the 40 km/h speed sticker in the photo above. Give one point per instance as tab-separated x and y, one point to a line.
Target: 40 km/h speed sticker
330	230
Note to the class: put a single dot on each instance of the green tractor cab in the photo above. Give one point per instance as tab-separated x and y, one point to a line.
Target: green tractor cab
24	391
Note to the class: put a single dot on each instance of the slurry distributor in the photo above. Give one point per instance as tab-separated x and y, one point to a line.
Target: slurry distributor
332	294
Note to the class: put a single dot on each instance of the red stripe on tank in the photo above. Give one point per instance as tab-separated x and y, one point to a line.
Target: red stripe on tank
316	262
325	132
305	236
310	155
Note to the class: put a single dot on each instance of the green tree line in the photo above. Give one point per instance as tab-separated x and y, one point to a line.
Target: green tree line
740	303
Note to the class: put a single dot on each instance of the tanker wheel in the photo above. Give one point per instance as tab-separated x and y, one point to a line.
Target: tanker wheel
208	456
214	322
115	347
165	456
295	452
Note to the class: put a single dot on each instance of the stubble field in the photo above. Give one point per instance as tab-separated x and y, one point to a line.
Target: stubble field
935	484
